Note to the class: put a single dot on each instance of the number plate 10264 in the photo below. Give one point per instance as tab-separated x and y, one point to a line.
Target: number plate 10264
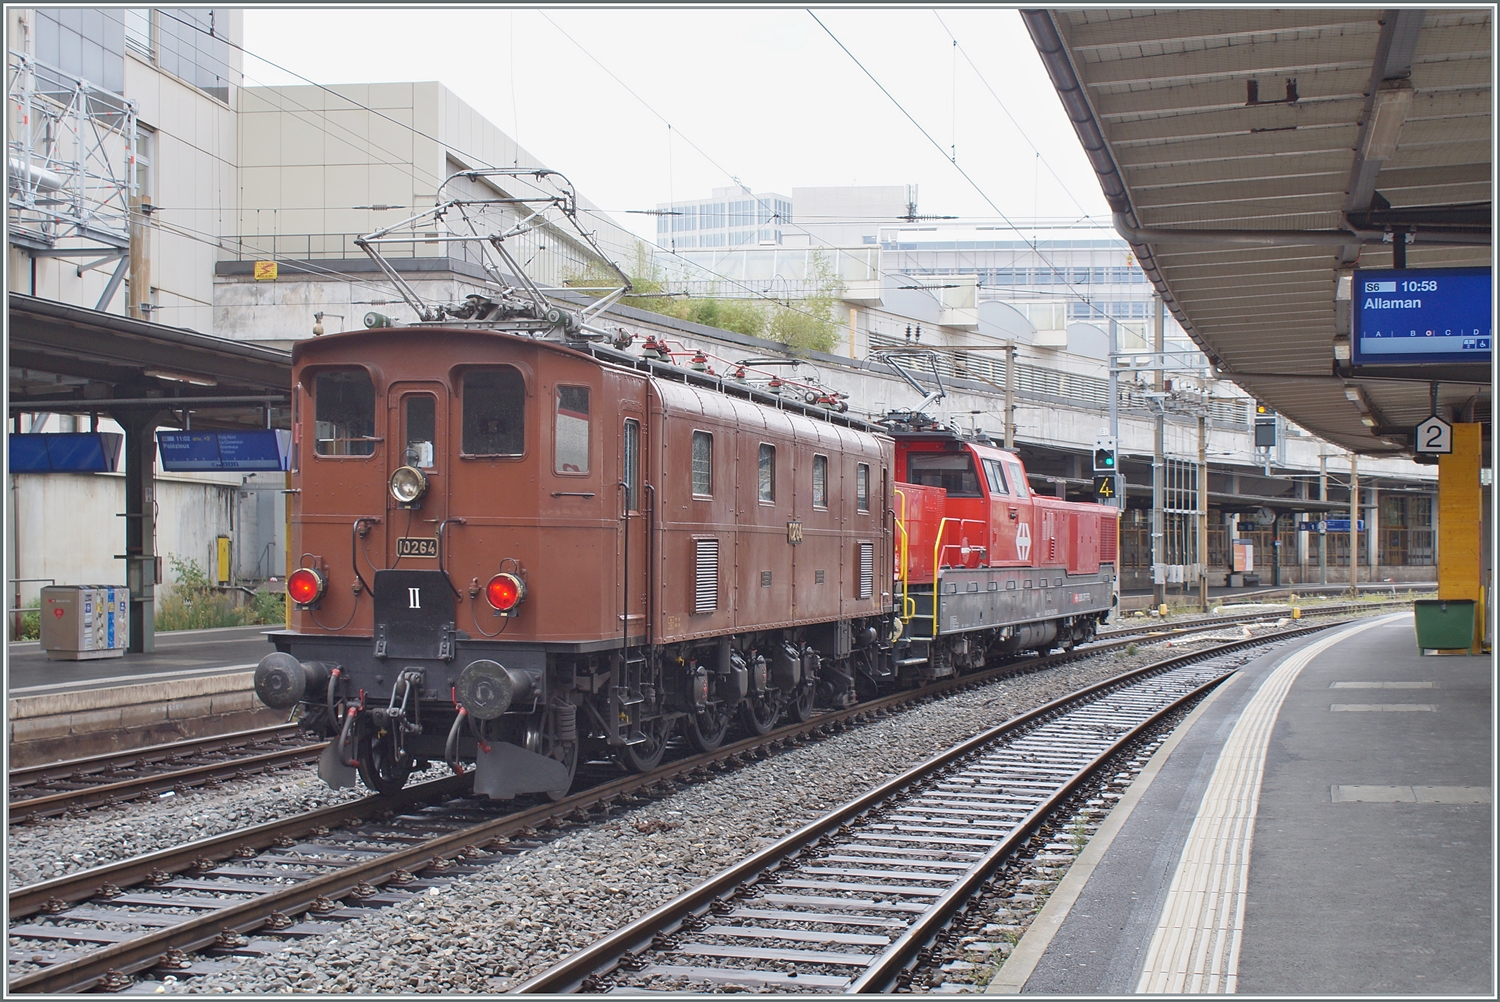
416	546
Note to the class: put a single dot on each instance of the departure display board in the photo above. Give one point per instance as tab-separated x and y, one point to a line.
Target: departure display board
196	451
1421	316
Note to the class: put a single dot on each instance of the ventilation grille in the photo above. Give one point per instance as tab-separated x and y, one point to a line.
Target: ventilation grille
866	569
1107	532
706	575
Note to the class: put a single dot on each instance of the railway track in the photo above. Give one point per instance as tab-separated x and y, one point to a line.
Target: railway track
118	777
850	902
108	780
207	894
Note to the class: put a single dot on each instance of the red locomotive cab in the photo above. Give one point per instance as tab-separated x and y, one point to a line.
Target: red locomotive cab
1012	528
961	537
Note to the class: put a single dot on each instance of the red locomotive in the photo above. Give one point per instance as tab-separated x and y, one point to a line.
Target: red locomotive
518	546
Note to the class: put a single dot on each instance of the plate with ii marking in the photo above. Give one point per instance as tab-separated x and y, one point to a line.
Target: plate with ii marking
416	546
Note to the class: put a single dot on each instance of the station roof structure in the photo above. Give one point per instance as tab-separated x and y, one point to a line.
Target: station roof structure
72	359
1254	157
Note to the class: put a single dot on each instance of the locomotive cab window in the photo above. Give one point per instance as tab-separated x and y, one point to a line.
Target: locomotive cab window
820	482
494	412
421	425
571	441
862	488
951	470
767	476
996	476
1019	479
703	464
344	413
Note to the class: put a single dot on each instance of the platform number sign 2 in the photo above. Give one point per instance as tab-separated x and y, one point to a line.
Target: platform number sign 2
1435	437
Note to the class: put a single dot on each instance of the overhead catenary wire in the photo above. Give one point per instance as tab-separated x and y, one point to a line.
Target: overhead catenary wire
964	52
939	147
761	203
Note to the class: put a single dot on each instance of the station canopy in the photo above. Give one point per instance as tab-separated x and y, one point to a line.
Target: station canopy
71	359
1254	157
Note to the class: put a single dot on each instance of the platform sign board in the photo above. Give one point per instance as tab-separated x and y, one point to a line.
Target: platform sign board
246	451
1435	437
1341	525
65	452
1421	316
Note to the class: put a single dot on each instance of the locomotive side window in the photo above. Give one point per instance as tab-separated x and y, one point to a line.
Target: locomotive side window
344	413
632	459
1019	479
421	423
996	476
951	470
494	412
820	482
571	442
768	472
703	464
862	487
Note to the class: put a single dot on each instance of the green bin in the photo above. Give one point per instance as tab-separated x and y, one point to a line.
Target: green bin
1445	624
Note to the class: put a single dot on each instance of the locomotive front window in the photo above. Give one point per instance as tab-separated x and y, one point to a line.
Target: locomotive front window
767	472
571	441
951	470
820	481
862	487
494	412
703	464
421	423
344	413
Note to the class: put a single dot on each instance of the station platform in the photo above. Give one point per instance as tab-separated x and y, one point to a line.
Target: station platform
195	684
1320	824
190	652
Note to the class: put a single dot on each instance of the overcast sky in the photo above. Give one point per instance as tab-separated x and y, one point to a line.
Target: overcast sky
766	95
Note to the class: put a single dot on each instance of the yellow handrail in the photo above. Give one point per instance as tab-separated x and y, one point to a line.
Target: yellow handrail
908	604
937	570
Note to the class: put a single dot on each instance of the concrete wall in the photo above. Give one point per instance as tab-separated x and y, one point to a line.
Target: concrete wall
66	526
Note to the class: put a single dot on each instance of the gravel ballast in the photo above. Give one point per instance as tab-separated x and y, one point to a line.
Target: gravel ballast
492	930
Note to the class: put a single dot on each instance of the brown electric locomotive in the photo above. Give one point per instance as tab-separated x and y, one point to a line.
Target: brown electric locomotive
511	548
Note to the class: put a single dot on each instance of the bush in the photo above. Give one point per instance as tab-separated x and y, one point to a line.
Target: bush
194	603
31	626
269	607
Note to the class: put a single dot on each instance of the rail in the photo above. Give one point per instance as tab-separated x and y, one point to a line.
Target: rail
859	864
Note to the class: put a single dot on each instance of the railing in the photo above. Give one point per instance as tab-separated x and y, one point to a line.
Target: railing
1070	388
20	610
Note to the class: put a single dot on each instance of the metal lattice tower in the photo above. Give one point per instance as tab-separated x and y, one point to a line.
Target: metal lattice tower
71	153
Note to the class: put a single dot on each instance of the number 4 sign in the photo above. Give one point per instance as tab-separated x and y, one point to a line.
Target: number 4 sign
1435	437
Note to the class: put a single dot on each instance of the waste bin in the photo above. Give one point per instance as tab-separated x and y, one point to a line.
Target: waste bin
82	622
1444	624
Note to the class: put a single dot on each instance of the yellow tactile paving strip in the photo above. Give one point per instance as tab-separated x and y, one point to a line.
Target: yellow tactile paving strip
1196	946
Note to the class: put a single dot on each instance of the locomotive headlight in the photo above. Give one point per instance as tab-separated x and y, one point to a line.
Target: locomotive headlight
306	586
408	484
504	593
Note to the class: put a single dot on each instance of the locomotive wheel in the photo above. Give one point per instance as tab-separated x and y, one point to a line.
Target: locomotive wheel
705	731
384	767
759	714
647	755
801	708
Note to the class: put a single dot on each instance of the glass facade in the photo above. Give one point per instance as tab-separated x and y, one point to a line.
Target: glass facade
723	221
